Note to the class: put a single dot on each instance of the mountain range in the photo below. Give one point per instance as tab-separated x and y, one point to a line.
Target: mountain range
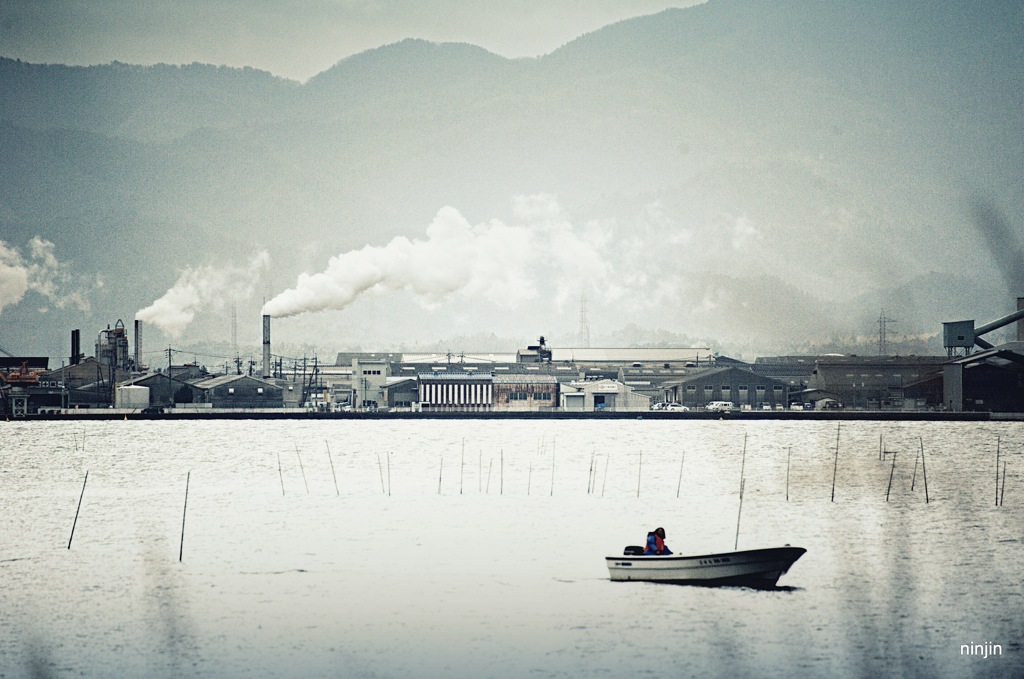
756	174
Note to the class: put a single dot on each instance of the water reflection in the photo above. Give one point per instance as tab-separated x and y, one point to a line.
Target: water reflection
452	576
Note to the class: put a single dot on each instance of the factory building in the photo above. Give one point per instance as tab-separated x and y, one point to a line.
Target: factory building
740	386
525	392
991	380
872	382
456	392
238	391
601	396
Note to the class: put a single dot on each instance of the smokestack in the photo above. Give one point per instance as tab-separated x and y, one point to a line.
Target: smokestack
138	344
266	347
1020	323
76	346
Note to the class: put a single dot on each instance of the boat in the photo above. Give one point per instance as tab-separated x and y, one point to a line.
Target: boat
757	568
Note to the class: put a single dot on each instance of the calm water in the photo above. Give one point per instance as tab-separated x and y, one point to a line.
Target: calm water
367	570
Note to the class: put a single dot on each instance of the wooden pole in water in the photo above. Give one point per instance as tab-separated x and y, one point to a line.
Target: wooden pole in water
439	473
743	461
181	547
590	472
80	496
913	479
381	470
552	467
639	471
1002	493
605	481
389	473
490	465
281	474
333	475
924	471
679	483
529	476
739	513
835	465
789	456
301	468
891	472
879	447
997	471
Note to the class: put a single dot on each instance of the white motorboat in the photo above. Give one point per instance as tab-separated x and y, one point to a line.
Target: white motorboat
759	568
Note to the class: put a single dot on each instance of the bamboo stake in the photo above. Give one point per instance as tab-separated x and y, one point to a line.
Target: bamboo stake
639	471
997	471
301	468
381	470
181	547
605	481
913	479
1002	493
80	496
879	446
891	472
924	471
788	458
490	465
739	513
279	472
439	473
552	467
835	465
679	483
743	462
335	476
590	472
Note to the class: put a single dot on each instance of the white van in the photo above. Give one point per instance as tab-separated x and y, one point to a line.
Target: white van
720	406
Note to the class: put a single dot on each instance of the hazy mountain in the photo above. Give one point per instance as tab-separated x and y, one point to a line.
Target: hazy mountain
753	174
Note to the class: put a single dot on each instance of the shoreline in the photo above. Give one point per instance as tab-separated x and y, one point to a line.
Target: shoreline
831	415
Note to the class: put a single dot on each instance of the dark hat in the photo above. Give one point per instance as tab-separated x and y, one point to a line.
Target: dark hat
660	532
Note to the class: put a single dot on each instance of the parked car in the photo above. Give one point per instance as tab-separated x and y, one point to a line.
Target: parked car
720	406
675	406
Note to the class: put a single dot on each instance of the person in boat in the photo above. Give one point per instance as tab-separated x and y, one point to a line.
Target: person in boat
656	542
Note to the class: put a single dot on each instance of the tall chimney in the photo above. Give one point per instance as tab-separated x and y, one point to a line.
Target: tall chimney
76	346
138	344
266	347
1020	323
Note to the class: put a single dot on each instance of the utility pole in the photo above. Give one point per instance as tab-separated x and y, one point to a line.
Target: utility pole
883	323
584	324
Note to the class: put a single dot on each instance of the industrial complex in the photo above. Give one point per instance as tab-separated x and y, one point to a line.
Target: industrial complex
973	376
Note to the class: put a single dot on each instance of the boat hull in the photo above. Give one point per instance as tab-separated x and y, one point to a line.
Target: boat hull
759	568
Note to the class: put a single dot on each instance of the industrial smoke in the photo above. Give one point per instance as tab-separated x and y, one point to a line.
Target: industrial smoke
39	271
198	289
492	261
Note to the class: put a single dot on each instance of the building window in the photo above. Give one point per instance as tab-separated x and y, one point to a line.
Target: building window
231	390
542	396
259	390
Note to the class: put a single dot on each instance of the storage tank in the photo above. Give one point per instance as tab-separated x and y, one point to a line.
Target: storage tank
131	397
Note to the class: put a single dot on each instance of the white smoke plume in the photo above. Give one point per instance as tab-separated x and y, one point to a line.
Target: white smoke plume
492	261
199	289
39	271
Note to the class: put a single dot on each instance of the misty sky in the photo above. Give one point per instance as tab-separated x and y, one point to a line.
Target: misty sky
294	39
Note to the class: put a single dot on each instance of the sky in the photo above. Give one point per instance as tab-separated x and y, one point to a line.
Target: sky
295	39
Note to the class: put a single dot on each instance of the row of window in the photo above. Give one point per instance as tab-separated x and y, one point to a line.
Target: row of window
522	396
726	387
